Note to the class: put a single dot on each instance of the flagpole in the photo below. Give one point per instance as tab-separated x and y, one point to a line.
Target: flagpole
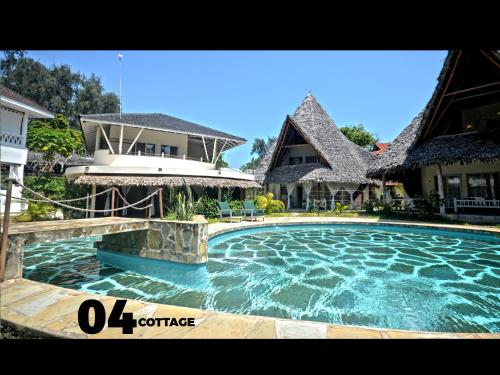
120	57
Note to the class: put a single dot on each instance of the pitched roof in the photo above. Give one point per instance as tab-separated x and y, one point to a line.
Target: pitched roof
380	148
347	162
443	149
161	122
12	95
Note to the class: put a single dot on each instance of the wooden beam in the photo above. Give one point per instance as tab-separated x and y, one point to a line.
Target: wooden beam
106	138
222	148
135	140
429	125
489	58
205	147
120	143
474	96
472	88
213	152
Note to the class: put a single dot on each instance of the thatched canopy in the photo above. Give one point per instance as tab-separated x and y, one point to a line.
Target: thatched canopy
342	160
173	181
468	78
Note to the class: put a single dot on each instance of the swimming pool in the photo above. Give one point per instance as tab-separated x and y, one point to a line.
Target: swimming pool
365	275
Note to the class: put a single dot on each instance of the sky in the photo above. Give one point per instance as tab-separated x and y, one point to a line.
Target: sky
249	93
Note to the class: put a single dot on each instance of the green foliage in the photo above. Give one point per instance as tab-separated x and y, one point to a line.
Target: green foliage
266	202
57	87
184	206
54	136
359	135
260	148
206	206
36	212
58	188
377	206
221	163
339	207
425	206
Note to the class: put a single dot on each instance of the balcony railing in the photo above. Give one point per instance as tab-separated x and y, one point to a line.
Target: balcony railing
475	203
164	155
11	139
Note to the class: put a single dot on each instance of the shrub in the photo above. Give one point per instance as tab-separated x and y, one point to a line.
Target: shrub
370	205
426	205
36	212
206	206
184	207
339	207
267	203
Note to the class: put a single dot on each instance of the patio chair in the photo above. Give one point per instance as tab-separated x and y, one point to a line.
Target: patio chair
226	212
252	212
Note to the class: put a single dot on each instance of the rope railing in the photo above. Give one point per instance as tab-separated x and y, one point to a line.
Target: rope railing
58	203
68	200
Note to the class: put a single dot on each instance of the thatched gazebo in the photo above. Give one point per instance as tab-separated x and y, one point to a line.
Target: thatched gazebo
312	159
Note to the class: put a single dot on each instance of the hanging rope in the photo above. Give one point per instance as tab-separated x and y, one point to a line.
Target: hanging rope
57	203
71	200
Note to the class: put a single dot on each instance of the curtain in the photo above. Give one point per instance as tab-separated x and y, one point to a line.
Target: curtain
334	189
307	188
125	190
107	204
289	190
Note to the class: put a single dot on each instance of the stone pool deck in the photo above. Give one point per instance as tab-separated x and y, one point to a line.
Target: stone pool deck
51	311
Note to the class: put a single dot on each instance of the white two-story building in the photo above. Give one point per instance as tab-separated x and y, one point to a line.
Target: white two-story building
15	113
137	153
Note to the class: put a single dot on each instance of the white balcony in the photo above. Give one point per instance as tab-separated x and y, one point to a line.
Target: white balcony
13	148
105	158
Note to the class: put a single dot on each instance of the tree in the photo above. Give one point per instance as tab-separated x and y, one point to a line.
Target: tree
221	163
359	135
57	88
260	147
51	137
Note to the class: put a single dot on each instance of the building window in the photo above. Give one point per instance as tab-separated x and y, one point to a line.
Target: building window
295	160
169	150
145	148
483	185
312	159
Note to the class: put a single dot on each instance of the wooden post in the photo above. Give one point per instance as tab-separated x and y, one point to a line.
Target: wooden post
160	200
87	207
93	192
150	210
5	232
112	201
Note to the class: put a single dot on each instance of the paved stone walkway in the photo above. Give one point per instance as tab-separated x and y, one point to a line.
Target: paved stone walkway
52	311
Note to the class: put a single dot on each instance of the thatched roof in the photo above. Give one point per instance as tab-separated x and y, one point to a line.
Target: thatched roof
70	161
448	149
391	161
346	161
173	181
409	152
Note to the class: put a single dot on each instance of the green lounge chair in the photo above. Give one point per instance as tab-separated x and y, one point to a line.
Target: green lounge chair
252	212
226	212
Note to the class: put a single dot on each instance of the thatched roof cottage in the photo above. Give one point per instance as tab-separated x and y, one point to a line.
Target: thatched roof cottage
453	146
312	160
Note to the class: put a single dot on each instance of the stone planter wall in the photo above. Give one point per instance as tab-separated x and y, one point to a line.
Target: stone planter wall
176	241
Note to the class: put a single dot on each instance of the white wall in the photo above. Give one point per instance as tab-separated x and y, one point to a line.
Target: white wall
428	174
149	136
11	121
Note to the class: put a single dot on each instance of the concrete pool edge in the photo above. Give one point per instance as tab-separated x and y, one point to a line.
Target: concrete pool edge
51	311
50	319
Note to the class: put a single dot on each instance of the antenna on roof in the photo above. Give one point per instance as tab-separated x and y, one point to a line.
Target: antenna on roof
120	57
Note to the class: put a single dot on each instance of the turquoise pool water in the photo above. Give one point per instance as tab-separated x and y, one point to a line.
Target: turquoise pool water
388	277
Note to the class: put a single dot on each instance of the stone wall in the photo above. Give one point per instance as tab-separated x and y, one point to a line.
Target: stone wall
176	241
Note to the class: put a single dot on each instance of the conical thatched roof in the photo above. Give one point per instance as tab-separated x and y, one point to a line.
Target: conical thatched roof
346	161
